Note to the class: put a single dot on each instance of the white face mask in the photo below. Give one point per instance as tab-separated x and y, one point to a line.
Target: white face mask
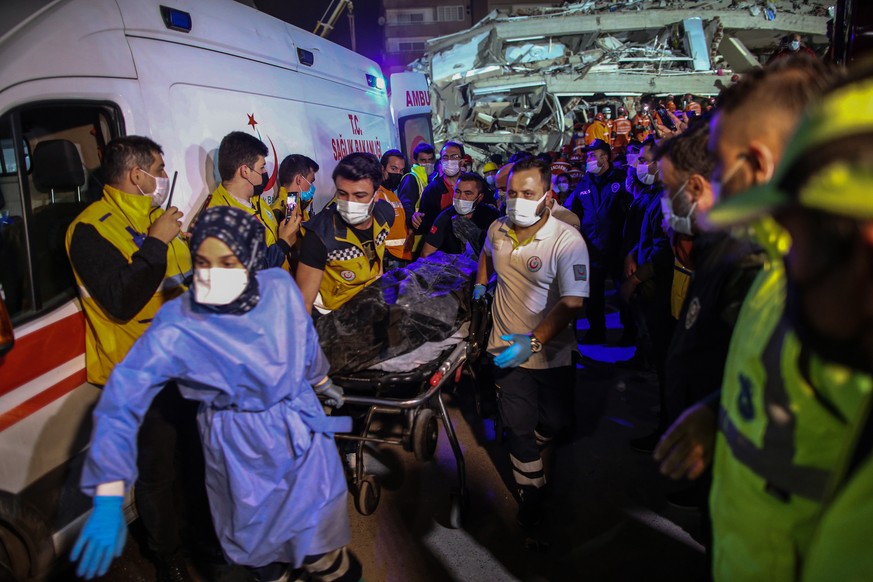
464	207
593	167
428	169
355	212
490	180
219	286
680	224
794	45
643	174
162	188
524	212
451	167
563	187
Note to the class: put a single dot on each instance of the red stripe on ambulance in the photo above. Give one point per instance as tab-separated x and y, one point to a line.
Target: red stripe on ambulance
42	351
41	400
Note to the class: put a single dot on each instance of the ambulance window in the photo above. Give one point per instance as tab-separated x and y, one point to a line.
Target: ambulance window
50	160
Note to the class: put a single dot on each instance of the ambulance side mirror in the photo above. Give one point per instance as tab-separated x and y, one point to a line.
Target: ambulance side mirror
7	336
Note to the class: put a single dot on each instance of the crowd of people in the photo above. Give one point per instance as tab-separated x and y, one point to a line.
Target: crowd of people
736	234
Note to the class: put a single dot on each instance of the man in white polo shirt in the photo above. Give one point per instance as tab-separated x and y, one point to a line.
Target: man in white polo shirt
542	276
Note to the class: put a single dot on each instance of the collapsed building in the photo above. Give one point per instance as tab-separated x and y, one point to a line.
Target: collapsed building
522	79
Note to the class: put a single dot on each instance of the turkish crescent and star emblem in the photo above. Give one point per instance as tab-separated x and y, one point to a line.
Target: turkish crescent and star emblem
272	181
534	264
348	275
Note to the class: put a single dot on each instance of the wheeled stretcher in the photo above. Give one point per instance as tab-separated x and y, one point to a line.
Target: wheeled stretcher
417	397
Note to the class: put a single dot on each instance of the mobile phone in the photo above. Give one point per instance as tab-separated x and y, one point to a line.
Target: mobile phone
290	204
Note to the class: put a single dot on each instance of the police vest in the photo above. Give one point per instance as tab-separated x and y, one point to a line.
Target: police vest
257	208
124	221
399	241
348	270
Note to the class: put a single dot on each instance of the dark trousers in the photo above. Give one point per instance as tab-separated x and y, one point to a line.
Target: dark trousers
595	308
660	324
534	405
168	436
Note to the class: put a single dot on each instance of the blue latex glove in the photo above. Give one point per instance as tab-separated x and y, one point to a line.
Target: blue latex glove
478	291
102	538
516	353
333	393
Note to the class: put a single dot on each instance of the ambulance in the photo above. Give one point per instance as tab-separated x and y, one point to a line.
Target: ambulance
75	74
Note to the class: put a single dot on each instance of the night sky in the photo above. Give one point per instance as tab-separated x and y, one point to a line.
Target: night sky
306	14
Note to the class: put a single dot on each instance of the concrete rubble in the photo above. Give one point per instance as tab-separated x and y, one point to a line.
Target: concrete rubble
522	79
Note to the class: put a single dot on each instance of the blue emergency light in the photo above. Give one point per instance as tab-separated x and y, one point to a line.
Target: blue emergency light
376	82
176	19
305	57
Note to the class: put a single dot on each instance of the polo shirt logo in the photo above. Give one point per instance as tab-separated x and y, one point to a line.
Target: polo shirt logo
348	275
615	187
534	264
580	272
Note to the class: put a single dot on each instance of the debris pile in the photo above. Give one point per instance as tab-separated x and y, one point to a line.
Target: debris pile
522	79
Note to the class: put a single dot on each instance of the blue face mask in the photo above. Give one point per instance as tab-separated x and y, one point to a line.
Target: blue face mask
307	195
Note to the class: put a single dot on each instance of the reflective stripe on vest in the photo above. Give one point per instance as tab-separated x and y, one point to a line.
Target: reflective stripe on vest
773	462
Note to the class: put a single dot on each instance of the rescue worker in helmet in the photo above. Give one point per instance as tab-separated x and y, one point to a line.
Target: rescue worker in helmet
597	130
621	132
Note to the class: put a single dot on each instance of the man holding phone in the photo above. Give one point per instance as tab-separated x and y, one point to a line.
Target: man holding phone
129	260
296	186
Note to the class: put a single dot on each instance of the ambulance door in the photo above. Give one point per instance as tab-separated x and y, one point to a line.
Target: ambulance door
49	161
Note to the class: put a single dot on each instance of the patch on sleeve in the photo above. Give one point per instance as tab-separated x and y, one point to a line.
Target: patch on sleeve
580	272
433	229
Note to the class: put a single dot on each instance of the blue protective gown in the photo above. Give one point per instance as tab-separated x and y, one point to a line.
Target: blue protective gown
273	475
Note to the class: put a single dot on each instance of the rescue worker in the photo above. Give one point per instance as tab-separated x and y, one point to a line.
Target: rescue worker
821	194
438	195
343	246
575	174
780	434
598	129
600	201
489	171
275	501
414	183
692	107
542	277
723	268
621	131
297	179
129	259
670	103
242	160
610	123
466	222
500	181
642	124
400	237
649	283
791	46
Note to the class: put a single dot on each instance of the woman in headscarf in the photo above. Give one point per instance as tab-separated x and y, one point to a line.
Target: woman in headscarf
274	479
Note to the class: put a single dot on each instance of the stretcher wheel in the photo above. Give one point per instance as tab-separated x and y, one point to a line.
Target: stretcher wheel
367	495
425	432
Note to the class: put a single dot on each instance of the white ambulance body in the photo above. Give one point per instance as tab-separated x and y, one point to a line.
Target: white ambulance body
73	75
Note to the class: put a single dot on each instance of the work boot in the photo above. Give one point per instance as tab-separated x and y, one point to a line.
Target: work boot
173	569
530	505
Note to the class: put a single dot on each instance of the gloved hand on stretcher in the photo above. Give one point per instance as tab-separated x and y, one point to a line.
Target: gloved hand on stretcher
331	391
479	291
102	538
516	353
